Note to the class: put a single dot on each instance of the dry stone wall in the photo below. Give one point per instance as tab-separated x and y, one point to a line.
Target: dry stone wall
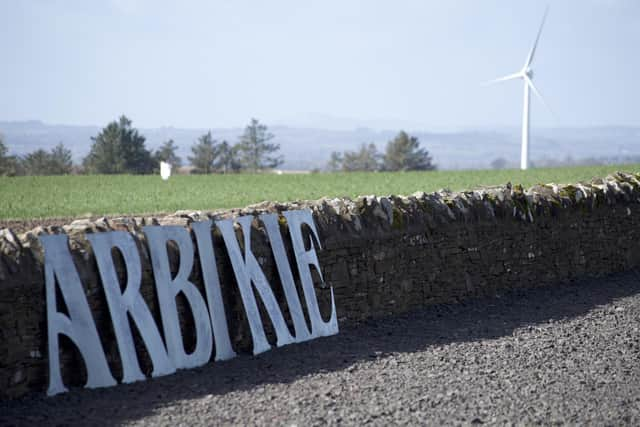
381	255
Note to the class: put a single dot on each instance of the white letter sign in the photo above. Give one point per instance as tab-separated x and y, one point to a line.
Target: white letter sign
202	230
130	301
79	325
248	271
305	259
127	305
168	289
270	222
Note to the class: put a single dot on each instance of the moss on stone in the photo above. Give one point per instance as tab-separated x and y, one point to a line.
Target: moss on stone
491	198
569	191
398	219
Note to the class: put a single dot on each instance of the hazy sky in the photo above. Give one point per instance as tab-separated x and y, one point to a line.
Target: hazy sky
217	63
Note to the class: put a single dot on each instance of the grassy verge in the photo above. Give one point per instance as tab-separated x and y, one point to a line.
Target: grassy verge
67	196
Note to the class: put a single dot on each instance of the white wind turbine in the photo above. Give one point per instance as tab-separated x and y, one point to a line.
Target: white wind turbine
526	74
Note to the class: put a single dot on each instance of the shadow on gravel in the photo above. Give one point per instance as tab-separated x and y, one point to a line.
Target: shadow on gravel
471	320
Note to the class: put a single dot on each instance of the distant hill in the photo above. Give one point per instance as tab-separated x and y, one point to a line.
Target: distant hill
306	148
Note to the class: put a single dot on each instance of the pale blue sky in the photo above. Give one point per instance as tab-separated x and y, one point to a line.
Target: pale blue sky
218	63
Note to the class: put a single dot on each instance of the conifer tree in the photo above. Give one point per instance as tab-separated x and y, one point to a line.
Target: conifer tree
205	152
254	150
119	148
403	153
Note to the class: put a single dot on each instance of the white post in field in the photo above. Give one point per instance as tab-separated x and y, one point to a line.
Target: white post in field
165	170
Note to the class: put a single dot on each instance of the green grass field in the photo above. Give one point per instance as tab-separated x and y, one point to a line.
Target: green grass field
67	196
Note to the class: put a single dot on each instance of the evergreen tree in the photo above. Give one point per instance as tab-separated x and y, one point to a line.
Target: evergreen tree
119	148
205	152
36	163
4	151
335	162
4	157
61	161
403	153
227	158
167	153
366	158
56	162
9	165
254	150
499	163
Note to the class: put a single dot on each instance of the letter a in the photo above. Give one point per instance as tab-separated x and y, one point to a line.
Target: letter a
79	326
130	301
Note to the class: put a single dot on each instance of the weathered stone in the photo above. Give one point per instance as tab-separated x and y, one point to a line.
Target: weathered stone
9	244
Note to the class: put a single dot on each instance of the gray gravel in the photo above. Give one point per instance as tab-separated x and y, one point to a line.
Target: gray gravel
564	354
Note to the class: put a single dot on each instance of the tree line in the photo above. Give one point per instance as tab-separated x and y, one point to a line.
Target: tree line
57	161
402	153
120	149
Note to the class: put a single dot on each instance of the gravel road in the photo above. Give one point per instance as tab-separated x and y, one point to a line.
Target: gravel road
564	354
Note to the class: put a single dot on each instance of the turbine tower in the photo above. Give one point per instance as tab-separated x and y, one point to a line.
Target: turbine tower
526	74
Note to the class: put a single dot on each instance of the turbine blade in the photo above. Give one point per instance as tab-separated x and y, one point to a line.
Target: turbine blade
517	75
532	52
539	95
